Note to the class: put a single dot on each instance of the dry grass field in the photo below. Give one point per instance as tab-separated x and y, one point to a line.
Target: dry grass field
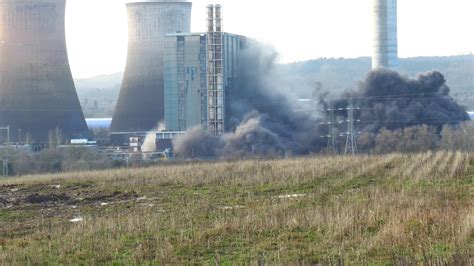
395	209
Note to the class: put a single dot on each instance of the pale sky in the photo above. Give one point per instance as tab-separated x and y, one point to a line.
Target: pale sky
299	29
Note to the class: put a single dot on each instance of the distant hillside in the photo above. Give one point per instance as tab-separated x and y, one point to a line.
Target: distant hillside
337	75
98	95
103	81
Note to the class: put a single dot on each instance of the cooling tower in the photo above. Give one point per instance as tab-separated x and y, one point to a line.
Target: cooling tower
140	106
37	92
385	50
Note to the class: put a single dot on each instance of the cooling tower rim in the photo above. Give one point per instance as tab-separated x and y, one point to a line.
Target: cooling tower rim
32	1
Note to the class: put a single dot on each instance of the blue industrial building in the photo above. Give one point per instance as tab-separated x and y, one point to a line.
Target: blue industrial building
186	77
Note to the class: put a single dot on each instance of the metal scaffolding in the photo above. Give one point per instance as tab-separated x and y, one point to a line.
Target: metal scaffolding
215	72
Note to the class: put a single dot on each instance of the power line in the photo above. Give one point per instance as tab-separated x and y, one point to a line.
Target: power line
351	140
399	95
351	132
332	129
399	98
413	121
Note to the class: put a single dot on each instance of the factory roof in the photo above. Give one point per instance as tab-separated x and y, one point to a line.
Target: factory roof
199	34
156	1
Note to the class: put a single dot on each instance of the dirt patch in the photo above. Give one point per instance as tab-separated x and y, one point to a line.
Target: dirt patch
48	198
3	201
117	195
7	186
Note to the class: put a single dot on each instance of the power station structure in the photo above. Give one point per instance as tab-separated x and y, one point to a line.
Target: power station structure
173	77
37	92
385	43
200	69
189	101
141	107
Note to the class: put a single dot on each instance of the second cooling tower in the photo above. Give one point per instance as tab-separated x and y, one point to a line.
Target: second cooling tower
385	43
140	106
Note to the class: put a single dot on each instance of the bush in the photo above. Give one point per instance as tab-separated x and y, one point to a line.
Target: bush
409	140
458	138
78	166
24	162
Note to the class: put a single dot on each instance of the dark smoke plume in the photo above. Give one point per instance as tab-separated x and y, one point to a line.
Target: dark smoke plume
196	143
261	121
389	100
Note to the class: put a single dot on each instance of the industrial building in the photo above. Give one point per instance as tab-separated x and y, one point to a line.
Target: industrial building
174	76
186	77
385	43
37	92
200	68
140	106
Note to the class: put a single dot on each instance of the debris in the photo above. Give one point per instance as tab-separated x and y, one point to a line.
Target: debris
3	201
232	207
104	204
142	198
77	220
291	196
14	190
49	198
56	186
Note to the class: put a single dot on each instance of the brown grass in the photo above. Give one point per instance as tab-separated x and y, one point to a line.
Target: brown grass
394	209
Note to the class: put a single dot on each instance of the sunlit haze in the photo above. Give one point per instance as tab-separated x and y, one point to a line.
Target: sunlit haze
298	29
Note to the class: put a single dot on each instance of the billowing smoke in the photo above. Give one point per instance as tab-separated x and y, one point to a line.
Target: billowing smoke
149	144
196	143
261	121
389	100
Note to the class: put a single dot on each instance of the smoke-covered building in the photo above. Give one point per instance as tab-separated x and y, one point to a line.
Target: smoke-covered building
186	71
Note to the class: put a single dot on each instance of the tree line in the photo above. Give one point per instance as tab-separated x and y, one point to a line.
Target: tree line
417	139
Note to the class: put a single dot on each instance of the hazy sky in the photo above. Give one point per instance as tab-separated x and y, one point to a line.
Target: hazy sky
299	29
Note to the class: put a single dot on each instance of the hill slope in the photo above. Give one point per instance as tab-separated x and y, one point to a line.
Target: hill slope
337	75
389	209
99	95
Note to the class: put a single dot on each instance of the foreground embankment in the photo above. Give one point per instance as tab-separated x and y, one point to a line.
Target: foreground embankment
391	209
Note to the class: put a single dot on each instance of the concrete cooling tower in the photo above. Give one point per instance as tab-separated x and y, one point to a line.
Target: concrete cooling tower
385	45
140	105
37	92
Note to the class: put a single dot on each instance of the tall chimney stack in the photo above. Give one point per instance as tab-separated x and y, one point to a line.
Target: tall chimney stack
385	44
